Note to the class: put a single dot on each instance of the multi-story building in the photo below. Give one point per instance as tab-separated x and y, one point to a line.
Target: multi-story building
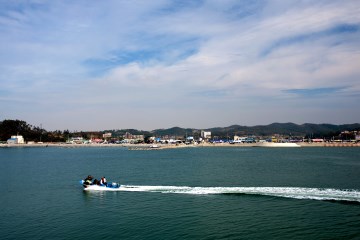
205	135
17	139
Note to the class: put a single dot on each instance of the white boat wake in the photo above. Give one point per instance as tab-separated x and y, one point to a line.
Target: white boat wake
324	194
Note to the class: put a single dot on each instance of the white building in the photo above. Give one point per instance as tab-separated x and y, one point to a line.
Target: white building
205	135
77	140
239	139
17	139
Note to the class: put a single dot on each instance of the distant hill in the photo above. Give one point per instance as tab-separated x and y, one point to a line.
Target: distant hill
121	132
307	129
32	133
175	131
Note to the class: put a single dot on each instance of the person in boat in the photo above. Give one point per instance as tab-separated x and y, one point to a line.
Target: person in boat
88	180
96	182
103	181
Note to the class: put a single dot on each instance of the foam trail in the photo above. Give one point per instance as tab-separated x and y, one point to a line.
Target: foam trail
288	192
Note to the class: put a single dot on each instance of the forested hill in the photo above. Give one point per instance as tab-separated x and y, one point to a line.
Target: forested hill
316	130
29	132
307	129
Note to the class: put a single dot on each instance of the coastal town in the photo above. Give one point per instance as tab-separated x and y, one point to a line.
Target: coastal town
205	139
15	133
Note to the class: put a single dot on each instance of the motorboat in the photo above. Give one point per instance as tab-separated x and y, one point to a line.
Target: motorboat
101	187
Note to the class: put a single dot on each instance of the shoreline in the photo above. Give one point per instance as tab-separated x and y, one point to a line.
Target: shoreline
171	146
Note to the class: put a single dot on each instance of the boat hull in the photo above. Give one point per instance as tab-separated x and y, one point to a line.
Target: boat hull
108	187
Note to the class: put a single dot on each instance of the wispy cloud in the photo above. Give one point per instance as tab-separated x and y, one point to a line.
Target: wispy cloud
312	36
315	92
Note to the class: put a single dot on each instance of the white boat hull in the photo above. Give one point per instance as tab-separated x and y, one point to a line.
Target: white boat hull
109	187
100	188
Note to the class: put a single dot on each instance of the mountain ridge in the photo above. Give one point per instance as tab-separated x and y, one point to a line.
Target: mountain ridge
306	129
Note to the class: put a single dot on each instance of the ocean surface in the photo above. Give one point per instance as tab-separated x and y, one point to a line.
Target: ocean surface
187	193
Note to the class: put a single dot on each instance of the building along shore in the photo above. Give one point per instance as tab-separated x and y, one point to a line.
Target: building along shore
168	146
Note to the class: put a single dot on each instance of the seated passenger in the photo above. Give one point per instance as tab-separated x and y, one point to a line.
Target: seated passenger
88	180
103	181
96	182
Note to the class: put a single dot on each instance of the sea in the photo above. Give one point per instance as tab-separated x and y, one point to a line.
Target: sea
181	193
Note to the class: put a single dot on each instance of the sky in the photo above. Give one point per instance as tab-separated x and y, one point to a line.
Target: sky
96	65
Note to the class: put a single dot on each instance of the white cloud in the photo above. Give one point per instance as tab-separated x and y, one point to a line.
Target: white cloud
144	57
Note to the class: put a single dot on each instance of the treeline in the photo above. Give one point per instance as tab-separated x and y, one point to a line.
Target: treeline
9	128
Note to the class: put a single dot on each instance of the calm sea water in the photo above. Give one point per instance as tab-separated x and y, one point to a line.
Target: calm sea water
190	193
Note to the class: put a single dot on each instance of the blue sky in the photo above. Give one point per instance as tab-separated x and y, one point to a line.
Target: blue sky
94	65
